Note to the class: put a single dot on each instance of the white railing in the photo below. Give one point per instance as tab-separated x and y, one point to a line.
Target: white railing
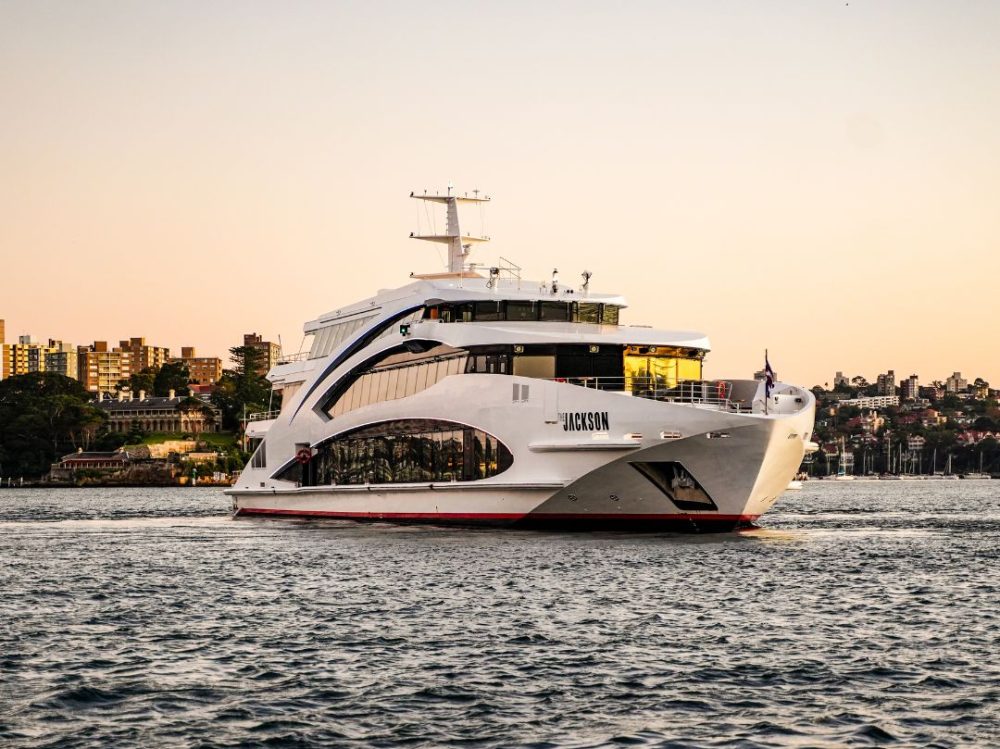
263	416
289	358
713	393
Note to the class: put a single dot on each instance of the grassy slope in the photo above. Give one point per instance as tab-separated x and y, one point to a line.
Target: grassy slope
214	439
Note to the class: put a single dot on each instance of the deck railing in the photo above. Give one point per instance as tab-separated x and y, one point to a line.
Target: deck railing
289	358
709	393
263	416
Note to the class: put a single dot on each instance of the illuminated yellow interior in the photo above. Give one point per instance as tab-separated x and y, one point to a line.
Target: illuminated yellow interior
660	367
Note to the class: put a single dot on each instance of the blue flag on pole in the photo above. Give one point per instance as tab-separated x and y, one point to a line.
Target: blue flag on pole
768	377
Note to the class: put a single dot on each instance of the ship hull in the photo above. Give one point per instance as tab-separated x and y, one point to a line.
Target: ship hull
648	523
703	483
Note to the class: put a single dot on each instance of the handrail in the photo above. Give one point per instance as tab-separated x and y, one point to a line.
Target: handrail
716	393
289	358
263	415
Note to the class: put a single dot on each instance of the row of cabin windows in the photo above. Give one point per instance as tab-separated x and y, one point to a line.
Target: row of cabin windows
640	370
392	383
524	311
326	340
445	454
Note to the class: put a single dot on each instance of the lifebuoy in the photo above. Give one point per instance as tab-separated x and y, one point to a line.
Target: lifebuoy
303	456
720	389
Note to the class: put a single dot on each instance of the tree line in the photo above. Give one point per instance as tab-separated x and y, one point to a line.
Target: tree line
44	415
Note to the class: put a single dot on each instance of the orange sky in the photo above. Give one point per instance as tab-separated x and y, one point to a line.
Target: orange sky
820	179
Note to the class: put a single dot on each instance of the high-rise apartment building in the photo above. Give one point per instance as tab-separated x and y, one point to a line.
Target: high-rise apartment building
102	369
270	352
956	383
31	356
909	389
204	370
143	356
886	383
61	358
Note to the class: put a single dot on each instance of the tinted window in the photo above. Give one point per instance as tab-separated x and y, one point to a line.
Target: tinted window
588	312
489	310
408	451
521	311
555	311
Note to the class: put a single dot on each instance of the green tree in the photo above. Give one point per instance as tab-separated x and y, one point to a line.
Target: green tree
243	389
44	415
140	382
985	424
172	376
136	435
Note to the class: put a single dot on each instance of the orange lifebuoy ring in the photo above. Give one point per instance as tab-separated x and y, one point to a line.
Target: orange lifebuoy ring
720	389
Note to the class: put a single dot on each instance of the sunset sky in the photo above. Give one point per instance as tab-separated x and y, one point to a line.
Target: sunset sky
818	178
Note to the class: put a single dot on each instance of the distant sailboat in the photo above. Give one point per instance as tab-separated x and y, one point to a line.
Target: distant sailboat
842	474
947	470
979	476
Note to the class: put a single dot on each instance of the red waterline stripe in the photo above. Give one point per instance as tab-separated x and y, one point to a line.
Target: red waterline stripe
491	515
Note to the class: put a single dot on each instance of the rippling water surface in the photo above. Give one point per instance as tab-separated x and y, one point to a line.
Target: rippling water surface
860	614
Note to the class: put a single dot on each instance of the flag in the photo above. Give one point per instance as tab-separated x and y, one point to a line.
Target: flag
768	377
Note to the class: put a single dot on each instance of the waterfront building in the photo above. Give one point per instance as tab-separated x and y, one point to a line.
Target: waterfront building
177	414
886	383
841	379
271	352
909	389
68	465
875	401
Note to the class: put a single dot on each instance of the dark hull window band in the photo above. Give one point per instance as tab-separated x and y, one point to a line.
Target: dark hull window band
405	451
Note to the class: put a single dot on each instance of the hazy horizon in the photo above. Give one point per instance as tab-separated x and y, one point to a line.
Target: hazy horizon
819	180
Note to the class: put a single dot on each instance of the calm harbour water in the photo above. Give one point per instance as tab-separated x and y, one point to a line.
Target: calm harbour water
860	614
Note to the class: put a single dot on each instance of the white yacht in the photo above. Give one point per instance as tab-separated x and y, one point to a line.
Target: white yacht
472	396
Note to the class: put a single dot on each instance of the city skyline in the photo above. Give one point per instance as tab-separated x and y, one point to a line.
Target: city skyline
818	181
186	352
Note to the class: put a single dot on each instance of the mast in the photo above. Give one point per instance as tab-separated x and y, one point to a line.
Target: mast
459	244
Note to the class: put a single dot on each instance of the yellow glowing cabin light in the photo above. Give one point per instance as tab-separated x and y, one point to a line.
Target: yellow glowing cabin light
660	367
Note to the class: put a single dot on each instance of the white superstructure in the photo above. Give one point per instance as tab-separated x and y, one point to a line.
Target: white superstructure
471	396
